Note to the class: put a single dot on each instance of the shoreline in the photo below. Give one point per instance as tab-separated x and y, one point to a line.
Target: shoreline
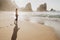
28	30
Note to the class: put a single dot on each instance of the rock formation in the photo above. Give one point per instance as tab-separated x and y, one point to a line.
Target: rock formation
42	7
52	9
7	5
27	8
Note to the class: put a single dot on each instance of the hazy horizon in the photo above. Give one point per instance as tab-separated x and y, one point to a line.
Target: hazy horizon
35	3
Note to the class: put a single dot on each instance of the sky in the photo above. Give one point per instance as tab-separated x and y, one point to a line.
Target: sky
55	4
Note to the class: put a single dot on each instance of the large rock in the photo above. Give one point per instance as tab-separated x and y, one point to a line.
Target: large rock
42	7
27	8
52	9
7	5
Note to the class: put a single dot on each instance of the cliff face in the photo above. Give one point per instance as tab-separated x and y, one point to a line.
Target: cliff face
7	5
27	8
42	7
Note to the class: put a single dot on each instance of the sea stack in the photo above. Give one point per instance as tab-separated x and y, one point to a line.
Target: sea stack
27	8
52	9
42	7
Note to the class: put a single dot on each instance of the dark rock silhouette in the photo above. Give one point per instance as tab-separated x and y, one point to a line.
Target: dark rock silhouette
52	9
7	5
27	8
42	7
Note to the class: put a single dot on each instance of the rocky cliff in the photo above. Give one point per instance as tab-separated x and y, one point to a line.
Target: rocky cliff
7	5
42	7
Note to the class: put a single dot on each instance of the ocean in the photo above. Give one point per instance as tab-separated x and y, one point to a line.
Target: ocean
51	19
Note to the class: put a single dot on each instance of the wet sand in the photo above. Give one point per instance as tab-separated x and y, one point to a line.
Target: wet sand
29	31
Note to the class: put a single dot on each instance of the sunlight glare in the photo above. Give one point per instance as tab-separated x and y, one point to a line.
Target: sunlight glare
21	3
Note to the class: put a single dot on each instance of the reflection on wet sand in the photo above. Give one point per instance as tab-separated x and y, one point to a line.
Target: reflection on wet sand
28	30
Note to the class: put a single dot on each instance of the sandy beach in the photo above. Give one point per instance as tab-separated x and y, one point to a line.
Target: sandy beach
27	31
29	20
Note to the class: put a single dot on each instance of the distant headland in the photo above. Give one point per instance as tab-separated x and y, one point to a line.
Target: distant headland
7	5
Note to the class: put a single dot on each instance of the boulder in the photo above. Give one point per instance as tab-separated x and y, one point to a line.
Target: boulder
52	9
